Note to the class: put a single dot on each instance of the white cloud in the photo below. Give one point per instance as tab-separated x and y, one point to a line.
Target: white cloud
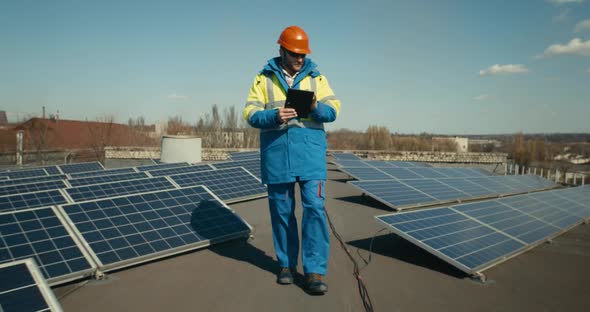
583	25
564	15
560	2
481	97
575	46
175	96
504	69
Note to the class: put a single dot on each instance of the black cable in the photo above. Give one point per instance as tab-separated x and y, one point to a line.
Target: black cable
364	293
367	261
73	289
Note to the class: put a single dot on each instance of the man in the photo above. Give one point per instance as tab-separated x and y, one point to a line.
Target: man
293	150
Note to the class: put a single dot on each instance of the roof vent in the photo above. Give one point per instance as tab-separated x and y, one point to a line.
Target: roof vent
179	148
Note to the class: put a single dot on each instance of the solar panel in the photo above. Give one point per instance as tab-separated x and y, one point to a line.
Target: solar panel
345	156
178	170
29	173
231	184
106	179
428	172
402	164
252	165
32	180
23	288
131	229
161	166
393	193
88	192
96	173
366	173
477	235
352	164
493	186
401	173
379	163
52	170
436	189
31	200
31	187
41	234
245	155
81	167
472	189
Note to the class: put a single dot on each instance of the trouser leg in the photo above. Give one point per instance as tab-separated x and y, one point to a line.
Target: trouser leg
315	237
284	224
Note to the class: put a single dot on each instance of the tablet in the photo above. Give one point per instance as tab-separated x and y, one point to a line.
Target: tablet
300	100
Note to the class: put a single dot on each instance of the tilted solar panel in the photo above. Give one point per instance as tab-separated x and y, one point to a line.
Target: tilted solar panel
94	191
31	200
81	167
41	234
161	166
96	173
393	193
352	164
366	173
477	235
28	173
31	187
252	165
178	170
401	173
23	288
131	229
231	184
32	180
245	155
106	179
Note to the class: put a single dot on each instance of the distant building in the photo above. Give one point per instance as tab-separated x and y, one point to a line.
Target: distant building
495	143
462	144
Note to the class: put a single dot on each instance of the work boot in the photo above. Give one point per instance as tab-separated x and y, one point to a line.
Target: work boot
285	277
314	284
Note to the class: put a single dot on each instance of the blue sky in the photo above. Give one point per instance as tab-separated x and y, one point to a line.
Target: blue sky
447	67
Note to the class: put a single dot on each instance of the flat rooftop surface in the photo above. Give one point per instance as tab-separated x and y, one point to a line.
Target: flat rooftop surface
240	275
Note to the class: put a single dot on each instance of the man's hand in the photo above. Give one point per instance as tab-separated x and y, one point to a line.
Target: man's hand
314	104
285	114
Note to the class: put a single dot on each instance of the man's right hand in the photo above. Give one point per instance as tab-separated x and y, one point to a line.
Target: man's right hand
285	114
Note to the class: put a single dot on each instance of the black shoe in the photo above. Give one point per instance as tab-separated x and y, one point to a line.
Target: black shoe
314	284
285	277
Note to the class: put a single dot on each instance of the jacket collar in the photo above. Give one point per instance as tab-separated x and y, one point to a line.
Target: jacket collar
273	66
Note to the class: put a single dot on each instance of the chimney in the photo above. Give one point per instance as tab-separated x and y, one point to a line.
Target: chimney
43	112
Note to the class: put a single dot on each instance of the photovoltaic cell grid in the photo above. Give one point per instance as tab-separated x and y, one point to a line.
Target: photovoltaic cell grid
28	173
178	170
31	200
475	236
135	228
23	288
245	155
89	192
106	179
31	187
81	167
40	234
230	185
252	165
161	166
366	173
96	173
32	180
402	194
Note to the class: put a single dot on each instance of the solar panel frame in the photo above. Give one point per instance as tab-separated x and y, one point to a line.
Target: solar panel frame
245	155
379	164
225	183
95	173
29	296
161	166
32	180
180	170
26	173
351	164
369	173
392	199
401	173
132	200
251	165
49	239
117	188
81	167
31	187
32	200
106	179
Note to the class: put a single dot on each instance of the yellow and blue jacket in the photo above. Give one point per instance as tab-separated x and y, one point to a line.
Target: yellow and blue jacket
296	149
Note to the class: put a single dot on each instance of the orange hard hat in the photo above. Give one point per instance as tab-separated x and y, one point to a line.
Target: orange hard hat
294	39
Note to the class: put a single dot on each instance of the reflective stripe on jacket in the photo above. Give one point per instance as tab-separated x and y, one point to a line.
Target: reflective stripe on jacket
296	148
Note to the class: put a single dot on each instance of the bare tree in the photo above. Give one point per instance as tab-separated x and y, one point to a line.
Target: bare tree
101	133
39	138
